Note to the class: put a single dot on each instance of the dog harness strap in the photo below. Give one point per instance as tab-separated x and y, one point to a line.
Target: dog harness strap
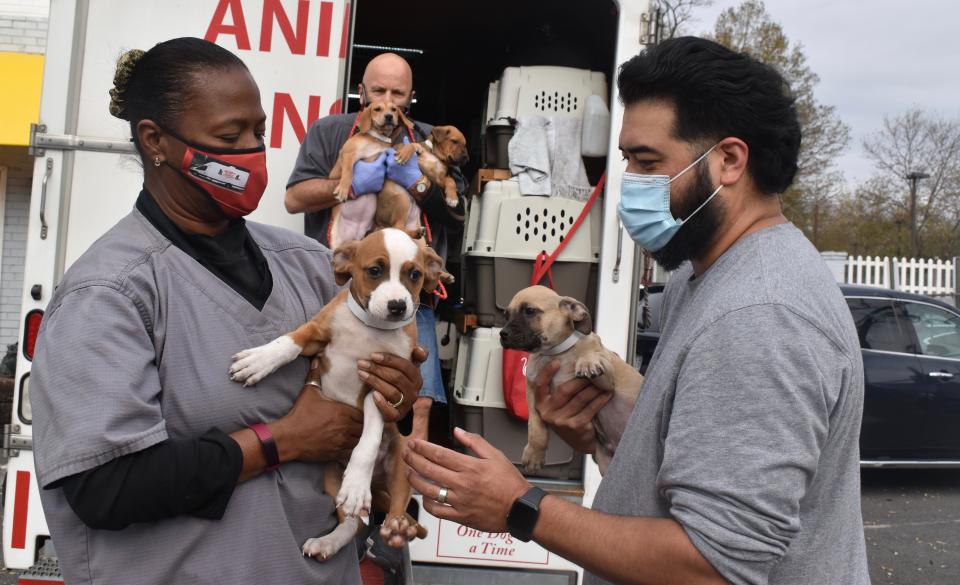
268	445
563	345
371	321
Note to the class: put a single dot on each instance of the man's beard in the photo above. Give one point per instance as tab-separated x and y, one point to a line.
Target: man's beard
694	236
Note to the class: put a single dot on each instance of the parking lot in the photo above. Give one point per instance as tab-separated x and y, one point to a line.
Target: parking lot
912	524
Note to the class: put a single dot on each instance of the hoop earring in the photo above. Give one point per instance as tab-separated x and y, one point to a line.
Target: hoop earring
156	161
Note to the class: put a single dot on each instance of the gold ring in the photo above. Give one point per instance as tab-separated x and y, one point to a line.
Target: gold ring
398	402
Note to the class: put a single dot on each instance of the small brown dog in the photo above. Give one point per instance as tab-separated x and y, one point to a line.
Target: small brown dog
387	270
375	126
552	327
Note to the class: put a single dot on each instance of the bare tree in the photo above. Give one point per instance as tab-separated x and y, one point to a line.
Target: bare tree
675	14
917	141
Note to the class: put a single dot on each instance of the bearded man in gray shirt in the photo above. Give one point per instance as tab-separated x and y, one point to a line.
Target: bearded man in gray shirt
740	461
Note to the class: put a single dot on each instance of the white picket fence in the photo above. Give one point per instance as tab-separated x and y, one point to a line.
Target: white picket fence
925	276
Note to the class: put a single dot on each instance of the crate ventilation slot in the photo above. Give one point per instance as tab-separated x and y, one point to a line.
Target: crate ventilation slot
555	102
536	223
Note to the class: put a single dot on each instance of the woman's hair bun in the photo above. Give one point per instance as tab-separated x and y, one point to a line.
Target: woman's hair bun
125	66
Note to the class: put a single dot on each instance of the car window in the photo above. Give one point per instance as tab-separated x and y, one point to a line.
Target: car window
938	330
878	326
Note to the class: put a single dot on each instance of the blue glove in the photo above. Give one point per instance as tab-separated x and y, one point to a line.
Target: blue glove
405	174
368	177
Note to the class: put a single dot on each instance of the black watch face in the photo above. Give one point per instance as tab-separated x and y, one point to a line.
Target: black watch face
522	519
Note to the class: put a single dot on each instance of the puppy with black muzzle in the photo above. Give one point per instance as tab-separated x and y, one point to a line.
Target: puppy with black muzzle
552	327
387	271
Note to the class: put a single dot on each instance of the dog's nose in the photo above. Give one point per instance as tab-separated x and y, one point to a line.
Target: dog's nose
397	308
504	334
388	117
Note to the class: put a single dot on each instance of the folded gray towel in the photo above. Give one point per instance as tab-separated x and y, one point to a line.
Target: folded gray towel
545	156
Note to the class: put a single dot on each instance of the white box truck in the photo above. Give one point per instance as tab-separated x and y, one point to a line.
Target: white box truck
306	56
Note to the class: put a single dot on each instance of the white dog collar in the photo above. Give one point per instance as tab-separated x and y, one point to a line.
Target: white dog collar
563	345
373	321
378	136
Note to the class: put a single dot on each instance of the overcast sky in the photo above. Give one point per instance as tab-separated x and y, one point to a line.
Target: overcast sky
874	57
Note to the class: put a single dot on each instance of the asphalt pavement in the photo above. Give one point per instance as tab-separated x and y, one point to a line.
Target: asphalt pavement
912	524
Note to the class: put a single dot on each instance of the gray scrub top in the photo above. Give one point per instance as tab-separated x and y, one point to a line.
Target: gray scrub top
134	348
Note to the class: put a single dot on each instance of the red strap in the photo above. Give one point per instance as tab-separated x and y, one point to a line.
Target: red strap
268	444
440	291
541	266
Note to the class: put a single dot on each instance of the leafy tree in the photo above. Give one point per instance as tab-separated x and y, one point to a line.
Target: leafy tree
749	28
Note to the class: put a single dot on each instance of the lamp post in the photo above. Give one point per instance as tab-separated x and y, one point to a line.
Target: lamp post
914	177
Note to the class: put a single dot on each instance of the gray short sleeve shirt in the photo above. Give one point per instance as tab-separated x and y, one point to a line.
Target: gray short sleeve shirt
746	429
135	348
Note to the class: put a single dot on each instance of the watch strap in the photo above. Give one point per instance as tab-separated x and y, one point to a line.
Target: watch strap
524	514
268	444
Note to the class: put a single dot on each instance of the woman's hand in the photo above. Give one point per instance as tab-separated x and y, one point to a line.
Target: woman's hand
395	381
570	408
480	490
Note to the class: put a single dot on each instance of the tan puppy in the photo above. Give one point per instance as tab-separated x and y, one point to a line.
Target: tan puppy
375	125
387	270
552	327
445	147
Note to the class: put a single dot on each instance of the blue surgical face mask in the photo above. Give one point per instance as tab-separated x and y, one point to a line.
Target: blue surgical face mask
644	207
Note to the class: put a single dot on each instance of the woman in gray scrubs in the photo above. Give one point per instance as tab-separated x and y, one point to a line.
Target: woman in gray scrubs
154	466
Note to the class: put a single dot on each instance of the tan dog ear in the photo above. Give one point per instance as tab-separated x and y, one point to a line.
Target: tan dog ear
365	120
578	313
406	121
433	267
343	261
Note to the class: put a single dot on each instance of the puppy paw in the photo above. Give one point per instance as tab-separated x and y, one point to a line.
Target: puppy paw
532	459
452	199
252	365
589	366
321	548
404	153
354	496
341	192
399	530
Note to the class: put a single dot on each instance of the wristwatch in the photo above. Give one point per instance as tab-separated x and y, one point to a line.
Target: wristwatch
524	513
420	187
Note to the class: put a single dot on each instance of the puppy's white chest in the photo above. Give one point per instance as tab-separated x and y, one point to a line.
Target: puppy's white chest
352	341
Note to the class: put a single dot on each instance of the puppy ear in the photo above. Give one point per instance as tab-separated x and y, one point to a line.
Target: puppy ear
578	313
343	261
433	268
405	120
365	120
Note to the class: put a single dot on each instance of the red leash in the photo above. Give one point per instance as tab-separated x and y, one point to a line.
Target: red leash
541	266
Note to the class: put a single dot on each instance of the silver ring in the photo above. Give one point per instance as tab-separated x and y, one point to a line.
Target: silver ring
442	495
313	383
398	402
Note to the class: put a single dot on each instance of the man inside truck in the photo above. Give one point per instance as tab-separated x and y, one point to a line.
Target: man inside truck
740	460
387	77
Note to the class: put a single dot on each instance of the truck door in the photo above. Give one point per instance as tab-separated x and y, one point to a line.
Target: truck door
86	176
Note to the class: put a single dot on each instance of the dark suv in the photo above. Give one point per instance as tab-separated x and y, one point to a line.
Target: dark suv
911	359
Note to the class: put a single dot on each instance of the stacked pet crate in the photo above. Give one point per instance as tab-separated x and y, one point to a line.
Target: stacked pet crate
505	233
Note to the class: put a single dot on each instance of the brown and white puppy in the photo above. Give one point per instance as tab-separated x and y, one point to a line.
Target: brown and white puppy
387	271
552	327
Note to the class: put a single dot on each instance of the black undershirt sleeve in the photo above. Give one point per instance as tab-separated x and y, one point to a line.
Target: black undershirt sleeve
437	210
175	477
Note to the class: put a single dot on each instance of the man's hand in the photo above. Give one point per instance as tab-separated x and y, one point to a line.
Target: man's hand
480	490
368	177
405	174
570	408
393	378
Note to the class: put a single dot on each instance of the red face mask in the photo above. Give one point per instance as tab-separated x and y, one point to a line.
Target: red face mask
235	178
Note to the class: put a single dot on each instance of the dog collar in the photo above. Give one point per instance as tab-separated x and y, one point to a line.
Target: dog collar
372	321
563	345
378	136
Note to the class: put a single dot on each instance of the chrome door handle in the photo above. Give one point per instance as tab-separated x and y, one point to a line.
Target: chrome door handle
942	375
